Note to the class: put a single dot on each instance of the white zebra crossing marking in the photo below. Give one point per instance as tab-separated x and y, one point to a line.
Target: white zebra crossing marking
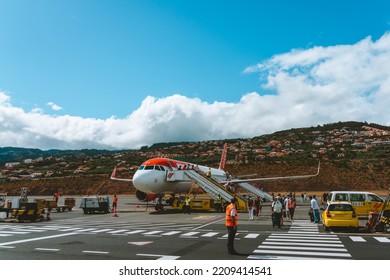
252	235
102	230
210	234
357	239
383	239
135	231
321	254
190	234
302	241
152	232
169	233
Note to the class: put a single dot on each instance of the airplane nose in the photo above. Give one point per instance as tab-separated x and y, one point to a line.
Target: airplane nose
139	180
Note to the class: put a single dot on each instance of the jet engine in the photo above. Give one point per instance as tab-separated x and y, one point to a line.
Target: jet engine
145	197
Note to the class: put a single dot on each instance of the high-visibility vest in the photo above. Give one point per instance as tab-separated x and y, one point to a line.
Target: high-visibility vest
229	219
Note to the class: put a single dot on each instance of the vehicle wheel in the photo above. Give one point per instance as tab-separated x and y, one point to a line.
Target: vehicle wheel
327	229
356	229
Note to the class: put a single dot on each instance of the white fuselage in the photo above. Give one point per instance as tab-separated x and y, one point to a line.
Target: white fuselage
152	179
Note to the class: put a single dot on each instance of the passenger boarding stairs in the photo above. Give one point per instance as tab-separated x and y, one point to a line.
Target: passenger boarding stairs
250	188
209	185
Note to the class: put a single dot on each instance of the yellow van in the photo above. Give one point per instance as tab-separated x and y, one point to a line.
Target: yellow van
362	202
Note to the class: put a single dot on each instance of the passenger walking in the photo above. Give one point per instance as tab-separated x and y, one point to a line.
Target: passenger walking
315	208
231	225
276	209
258	205
286	208
291	206
250	208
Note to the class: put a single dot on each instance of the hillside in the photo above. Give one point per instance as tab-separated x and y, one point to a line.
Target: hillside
353	155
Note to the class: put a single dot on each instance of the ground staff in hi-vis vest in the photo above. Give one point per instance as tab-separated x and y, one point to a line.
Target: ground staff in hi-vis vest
231	225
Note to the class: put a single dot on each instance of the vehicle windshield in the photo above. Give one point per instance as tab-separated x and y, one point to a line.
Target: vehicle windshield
340	207
373	197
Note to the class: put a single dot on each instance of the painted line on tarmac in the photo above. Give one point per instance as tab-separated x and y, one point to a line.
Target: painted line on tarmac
300	248
13	232
383	239
304	244
37	239
269	257
357	239
160	257
303	240
7	247
96	252
321	254
205	225
47	249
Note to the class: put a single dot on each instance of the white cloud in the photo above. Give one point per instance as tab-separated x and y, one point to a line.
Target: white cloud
54	106
314	86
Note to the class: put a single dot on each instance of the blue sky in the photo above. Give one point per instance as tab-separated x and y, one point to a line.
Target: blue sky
114	63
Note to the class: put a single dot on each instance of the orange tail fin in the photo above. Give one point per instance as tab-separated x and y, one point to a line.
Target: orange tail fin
222	164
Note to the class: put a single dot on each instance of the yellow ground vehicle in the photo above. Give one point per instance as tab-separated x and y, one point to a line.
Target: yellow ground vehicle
195	204
362	202
340	214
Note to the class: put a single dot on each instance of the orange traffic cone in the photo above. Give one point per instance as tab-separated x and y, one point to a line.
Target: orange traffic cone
115	213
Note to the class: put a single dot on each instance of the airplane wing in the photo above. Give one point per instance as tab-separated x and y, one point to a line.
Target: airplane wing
113	177
273	178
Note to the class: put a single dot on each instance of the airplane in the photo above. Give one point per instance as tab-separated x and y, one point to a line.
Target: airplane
150	180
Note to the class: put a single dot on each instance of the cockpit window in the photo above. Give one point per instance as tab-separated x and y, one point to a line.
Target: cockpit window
141	167
157	167
162	168
149	167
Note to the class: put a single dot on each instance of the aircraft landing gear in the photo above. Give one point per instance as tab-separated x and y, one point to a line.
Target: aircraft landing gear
159	206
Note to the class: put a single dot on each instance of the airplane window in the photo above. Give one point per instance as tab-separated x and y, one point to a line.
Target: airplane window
157	167
162	168
141	167
149	167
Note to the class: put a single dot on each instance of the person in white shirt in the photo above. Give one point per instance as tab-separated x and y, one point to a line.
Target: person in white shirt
315	208
277	210
286	209
250	208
